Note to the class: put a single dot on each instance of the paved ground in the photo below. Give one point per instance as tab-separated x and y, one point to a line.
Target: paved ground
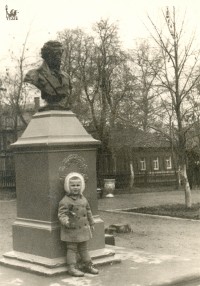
158	251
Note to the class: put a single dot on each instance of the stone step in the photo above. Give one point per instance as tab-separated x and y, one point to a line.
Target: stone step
100	253
49	267
107	260
32	267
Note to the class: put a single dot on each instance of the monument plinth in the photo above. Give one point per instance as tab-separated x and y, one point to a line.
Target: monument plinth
54	144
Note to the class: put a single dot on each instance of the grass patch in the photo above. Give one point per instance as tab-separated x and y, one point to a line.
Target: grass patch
176	210
150	189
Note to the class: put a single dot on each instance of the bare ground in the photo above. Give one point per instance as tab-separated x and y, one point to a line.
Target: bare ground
152	234
167	236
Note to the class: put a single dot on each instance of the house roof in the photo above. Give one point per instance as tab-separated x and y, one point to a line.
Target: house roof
138	139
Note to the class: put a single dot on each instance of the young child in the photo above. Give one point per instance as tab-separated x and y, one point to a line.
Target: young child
77	223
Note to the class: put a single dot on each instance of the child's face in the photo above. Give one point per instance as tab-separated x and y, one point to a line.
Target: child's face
75	186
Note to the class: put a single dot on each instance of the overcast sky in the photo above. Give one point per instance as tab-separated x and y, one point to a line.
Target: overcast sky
46	17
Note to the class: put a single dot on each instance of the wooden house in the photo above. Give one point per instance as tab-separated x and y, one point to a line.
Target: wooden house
141	159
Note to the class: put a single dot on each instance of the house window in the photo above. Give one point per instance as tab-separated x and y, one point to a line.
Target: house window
156	164
168	163
142	164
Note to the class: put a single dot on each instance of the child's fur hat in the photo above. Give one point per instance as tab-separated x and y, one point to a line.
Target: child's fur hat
70	176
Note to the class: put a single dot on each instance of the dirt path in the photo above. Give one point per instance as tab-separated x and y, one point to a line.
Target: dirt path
173	237
167	236
170	236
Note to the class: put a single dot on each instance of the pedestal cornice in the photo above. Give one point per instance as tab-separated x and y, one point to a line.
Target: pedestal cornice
49	129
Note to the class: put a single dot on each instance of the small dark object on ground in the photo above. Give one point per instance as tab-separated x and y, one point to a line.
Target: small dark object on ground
118	228
109	239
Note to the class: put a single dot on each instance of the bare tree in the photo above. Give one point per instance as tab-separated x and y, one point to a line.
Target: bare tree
76	45
146	64
17	92
177	80
100	76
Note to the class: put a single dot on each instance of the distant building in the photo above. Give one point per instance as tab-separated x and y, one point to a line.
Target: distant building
10	129
149	155
154	161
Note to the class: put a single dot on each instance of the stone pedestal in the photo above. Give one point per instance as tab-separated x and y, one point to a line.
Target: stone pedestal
54	144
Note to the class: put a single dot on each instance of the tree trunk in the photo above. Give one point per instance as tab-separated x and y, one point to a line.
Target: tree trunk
179	178
114	161
186	186
132	175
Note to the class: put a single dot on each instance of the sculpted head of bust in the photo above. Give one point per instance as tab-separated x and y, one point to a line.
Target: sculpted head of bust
51	52
53	83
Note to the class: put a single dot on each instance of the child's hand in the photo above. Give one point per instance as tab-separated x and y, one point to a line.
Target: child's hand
67	224
70	225
92	228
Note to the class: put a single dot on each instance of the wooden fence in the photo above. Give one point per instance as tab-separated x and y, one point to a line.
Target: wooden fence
155	178
140	179
7	172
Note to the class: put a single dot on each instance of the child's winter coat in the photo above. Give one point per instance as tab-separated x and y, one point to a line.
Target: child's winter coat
76	212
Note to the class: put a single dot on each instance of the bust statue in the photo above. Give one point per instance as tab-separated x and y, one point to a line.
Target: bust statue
53	83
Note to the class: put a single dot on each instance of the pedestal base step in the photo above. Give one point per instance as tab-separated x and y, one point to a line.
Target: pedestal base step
106	261
50	267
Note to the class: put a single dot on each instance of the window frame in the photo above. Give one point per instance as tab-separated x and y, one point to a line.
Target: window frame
143	165
156	165
168	160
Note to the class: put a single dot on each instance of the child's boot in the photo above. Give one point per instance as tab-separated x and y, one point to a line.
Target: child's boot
74	272
90	268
